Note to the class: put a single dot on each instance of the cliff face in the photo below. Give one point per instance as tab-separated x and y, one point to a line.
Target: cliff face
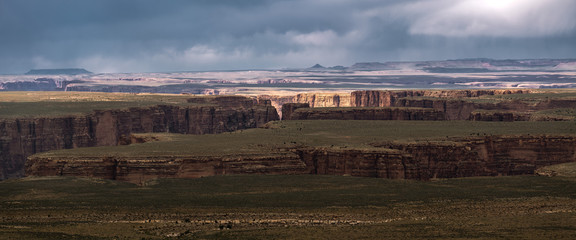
388	113
312	99
486	156
446	102
139	170
289	108
389	98
455	107
24	137
451	102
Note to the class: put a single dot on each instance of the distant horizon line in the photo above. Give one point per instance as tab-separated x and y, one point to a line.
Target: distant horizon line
292	68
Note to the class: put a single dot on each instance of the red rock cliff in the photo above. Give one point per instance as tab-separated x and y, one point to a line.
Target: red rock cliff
312	99
482	156
387	113
139	170
24	137
389	98
454	105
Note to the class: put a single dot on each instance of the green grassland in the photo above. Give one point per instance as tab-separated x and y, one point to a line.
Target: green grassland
289	207
49	104
320	133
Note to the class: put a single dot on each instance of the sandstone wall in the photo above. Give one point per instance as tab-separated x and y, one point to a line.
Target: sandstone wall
289	108
363	114
455	107
140	170
482	156
389	98
312	99
487	156
451	102
24	137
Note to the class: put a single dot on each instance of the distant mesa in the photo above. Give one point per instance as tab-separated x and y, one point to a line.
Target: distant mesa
58	71
317	66
373	66
338	68
455	70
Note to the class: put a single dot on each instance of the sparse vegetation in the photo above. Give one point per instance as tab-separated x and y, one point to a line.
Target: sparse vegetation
321	133
288	207
49	104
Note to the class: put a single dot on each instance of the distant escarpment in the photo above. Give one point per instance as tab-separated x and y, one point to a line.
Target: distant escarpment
480	156
312	99
58	71
390	98
477	105
298	112
141	169
39	84
22	137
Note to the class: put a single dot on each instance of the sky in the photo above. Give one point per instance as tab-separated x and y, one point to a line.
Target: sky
197	35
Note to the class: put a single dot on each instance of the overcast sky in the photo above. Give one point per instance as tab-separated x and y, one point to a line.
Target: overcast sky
180	35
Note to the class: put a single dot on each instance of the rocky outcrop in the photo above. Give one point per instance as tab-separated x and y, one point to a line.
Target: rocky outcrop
499	116
312	99
387	113
289	108
139	170
487	156
481	156
455	105
389	98
24	137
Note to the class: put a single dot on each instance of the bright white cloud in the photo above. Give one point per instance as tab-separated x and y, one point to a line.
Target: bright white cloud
494	18
318	38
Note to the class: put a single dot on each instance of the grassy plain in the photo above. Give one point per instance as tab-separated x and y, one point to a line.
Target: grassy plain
48	104
289	207
320	133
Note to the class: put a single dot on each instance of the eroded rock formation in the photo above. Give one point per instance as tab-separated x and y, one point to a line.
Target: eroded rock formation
312	99
481	156
140	170
388	113
389	98
24	137
452	104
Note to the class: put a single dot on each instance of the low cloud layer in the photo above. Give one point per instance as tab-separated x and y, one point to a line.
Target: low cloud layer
179	35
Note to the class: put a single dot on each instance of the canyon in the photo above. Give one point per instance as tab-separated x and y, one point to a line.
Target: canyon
433	105
490	156
22	137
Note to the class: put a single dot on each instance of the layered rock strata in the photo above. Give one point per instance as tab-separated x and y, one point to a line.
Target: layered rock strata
389	98
455	106
139	170
481	156
312	99
24	137
302	113
451	104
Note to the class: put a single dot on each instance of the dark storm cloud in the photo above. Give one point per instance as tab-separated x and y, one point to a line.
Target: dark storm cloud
147	35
